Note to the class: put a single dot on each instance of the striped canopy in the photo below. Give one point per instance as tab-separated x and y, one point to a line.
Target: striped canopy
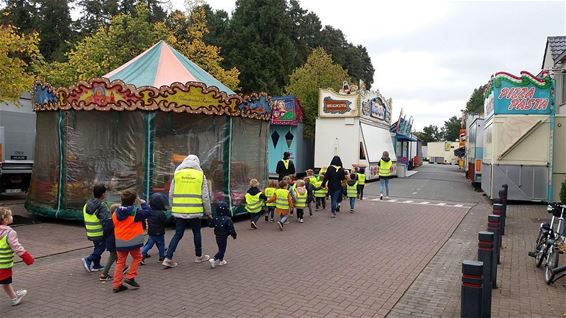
162	65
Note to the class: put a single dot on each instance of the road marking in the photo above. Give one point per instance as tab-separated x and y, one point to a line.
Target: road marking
438	204
408	201
441	204
426	202
414	192
458	205
392	200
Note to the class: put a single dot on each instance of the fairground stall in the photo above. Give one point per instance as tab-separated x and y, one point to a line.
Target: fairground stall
405	144
130	129
474	148
518	136
286	135
442	152
355	127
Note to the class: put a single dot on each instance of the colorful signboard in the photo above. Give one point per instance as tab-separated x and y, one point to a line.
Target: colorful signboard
332	104
527	94
375	107
286	111
196	98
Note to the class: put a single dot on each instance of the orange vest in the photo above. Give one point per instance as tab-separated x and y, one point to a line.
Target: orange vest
129	234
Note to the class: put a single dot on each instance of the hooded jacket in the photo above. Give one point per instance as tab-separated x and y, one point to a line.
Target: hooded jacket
254	191
223	225
99	208
379	163
192	162
333	176
156	222
124	212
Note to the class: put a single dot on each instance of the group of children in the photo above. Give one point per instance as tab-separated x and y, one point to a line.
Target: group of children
283	197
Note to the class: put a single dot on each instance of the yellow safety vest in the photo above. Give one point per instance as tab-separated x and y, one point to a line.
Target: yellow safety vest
352	191
385	168
93	226
269	193
187	194
319	193
253	203
286	163
6	253
361	178
301	200
282	199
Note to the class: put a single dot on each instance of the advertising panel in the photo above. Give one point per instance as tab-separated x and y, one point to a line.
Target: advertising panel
333	104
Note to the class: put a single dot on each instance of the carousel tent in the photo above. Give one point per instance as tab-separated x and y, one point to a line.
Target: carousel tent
130	128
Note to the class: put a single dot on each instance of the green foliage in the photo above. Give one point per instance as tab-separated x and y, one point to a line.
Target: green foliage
451	129
318	72
54	27
475	103
430	133
563	192
21	14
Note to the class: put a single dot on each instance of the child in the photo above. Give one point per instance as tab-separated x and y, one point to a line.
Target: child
352	191
9	245
361	182
95	213
300	199
128	231
311	176
320	193
156	226
108	227
291	188
223	227
254	202
283	202
310	193
269	191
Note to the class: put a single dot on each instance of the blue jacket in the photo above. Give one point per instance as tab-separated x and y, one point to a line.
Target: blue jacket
222	223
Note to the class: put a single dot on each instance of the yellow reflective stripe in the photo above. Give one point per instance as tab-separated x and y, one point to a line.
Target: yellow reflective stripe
136	240
187	193
286	163
282	199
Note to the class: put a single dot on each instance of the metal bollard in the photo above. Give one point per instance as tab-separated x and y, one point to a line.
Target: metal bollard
499	209
493	226
506	189
486	256
471	301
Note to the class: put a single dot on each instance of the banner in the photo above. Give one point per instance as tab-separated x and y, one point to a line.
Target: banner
375	107
286	111
332	104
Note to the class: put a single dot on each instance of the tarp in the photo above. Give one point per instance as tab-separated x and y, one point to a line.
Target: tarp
377	140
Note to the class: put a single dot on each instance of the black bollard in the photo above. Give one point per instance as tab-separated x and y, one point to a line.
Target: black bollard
485	255
471	303
493	226
499	209
506	189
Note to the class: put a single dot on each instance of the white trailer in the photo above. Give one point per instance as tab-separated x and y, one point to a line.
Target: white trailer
442	152
359	139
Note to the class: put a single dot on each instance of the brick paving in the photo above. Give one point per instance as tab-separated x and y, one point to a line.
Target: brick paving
354	266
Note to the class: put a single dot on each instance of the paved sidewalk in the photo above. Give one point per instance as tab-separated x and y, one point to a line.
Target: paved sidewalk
357	265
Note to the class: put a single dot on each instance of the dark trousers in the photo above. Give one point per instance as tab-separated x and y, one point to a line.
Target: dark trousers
222	242
320	202
158	240
361	191
254	217
99	248
300	213
271	212
180	226
309	203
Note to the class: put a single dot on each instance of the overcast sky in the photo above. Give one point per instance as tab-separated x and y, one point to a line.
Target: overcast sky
430	55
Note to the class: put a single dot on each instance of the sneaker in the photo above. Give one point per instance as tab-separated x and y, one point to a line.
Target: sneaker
300	220
148	256
338	208
212	262
125	270
272	220
142	261
200	259
132	282
222	262
386	197
253	225
280	225
310	213
169	263
19	295
351	210
266	218
332	215
86	264
119	288
103	277
96	268
161	259
381	196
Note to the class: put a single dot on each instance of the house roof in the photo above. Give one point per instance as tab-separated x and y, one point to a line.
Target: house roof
557	46
163	65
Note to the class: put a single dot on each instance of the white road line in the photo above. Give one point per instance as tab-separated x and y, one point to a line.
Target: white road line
392	200
441	204
426	202
458	205
414	192
408	201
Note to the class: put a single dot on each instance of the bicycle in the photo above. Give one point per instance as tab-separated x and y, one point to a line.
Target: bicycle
545	231
554	247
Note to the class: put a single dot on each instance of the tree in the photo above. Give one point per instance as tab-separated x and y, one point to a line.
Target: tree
21	14
259	44
205	55
15	50
54	26
101	52
96	14
452	129
430	133
475	103
318	72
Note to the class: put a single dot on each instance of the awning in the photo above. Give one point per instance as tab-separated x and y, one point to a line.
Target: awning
405	138
377	140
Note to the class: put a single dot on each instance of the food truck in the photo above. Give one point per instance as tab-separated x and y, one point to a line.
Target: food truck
518	136
356	128
474	149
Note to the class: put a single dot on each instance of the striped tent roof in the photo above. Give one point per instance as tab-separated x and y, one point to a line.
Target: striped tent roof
162	65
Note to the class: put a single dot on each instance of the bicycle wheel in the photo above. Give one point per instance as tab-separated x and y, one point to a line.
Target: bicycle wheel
551	262
540	247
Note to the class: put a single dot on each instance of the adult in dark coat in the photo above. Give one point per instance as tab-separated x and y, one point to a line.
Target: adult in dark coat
285	166
333	178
